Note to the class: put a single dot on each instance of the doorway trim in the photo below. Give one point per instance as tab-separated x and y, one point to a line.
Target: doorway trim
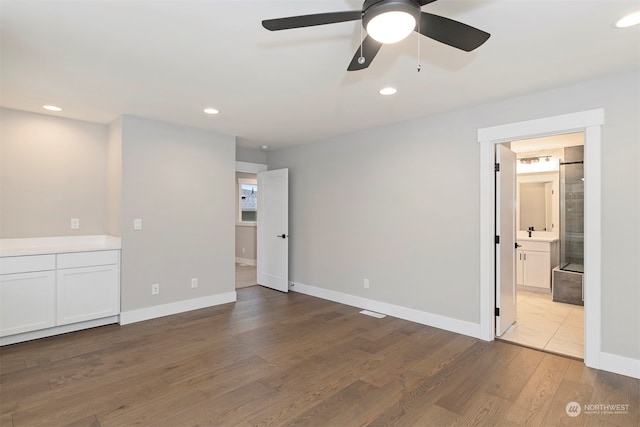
589	122
247	167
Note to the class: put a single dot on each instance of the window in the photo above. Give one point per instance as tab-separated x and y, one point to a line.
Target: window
248	200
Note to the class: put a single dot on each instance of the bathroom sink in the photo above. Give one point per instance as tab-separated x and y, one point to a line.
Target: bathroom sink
537	236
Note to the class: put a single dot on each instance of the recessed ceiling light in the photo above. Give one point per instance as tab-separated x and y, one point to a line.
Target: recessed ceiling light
388	91
211	111
264	147
51	108
629	20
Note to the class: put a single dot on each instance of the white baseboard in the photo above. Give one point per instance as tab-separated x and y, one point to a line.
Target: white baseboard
620	365
155	311
57	330
246	261
413	315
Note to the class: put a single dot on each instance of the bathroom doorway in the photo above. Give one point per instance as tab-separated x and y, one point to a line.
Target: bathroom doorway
591	122
549	233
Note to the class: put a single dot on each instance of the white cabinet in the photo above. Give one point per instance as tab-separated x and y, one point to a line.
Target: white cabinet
27	302
87	286
27	293
534	262
49	291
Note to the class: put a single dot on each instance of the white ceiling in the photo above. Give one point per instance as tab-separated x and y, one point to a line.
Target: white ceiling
167	60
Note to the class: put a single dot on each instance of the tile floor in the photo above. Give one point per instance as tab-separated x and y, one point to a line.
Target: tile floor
547	325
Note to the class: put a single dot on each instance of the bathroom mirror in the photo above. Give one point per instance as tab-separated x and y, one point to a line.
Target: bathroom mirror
538	202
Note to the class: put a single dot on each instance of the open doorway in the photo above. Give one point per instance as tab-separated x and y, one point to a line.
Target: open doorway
246	226
549	234
591	122
246	202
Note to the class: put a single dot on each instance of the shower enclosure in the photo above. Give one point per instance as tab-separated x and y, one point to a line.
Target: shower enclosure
567	282
572	216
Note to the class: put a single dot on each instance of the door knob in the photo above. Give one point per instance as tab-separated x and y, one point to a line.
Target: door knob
284	236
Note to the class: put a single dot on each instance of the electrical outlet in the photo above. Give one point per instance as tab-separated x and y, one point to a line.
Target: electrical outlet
243	251
155	289
366	283
75	223
194	282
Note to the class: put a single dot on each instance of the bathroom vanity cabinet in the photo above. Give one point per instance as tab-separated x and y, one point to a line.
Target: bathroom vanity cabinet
58	291
535	260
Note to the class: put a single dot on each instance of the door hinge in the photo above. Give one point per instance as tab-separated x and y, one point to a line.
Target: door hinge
497	311
496	167
497	240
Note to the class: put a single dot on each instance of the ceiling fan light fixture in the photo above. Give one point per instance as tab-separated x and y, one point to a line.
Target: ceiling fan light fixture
391	27
629	20
391	21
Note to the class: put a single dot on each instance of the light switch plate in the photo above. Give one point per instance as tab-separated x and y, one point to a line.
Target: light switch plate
137	224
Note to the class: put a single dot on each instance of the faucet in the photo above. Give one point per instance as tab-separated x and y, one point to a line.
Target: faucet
531	230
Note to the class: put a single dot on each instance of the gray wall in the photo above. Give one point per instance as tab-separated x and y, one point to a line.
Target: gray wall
114	178
180	182
399	205
251	155
52	170
246	239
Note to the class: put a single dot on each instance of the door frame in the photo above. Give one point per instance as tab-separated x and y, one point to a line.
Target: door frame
590	122
247	167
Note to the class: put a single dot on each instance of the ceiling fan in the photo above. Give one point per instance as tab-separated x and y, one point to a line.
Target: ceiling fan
389	21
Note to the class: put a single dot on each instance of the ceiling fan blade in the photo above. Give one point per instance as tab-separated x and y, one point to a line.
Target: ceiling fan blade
450	32
311	20
423	2
370	49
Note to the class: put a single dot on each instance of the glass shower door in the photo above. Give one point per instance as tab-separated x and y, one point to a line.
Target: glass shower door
572	216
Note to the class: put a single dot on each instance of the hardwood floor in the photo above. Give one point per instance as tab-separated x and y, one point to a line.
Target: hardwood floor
291	359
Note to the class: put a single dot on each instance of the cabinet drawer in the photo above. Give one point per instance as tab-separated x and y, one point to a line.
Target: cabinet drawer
527	245
88	259
27	263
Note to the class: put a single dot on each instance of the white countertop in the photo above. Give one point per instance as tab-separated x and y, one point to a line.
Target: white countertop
56	245
537	236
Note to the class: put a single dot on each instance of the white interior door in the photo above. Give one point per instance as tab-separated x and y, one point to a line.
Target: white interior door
273	229
506	229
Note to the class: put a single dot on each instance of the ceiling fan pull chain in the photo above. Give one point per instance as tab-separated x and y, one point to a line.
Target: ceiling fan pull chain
419	66
361	60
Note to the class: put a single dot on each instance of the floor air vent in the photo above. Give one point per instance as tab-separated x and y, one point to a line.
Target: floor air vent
373	314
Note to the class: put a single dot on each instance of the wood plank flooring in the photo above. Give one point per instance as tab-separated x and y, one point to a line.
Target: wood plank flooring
291	359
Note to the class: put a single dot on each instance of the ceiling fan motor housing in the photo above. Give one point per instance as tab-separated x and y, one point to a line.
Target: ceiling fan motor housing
373	8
